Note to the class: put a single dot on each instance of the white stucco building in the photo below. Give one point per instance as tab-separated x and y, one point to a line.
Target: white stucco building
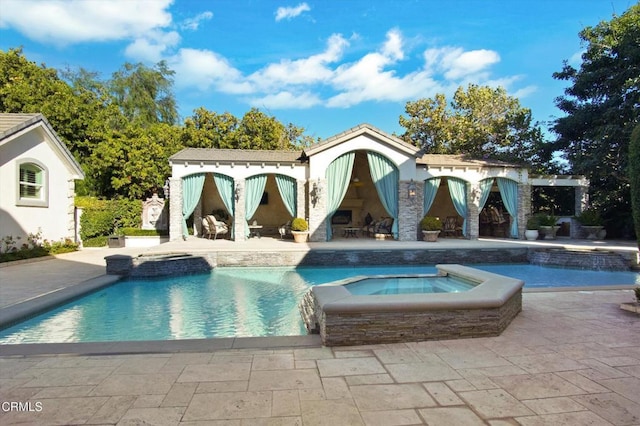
348	180
37	172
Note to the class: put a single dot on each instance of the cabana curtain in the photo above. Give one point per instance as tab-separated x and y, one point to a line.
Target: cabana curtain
225	189
385	176
288	192
458	191
485	190
254	188
191	192
430	190
338	177
509	193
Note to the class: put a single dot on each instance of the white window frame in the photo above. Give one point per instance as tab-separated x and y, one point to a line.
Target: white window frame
42	200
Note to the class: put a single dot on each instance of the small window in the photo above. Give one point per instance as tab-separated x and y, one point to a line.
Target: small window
32	185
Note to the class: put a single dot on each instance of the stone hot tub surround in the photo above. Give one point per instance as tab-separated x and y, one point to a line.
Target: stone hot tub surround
345	319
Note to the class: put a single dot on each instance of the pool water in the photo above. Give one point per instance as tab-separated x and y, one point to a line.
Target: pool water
408	285
232	302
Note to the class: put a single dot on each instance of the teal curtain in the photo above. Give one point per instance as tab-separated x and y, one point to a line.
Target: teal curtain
338	175
385	176
430	190
225	189
485	190
288	192
254	188
509	193
191	192
458	191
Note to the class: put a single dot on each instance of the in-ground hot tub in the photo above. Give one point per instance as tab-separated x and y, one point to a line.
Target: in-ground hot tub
343	318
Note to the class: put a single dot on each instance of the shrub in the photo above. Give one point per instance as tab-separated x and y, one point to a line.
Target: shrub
100	241
137	232
589	217
106	217
299	224
634	179
533	223
546	219
33	247
431	223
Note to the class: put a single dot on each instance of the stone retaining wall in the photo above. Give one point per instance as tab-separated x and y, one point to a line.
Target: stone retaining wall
582	259
164	265
340	329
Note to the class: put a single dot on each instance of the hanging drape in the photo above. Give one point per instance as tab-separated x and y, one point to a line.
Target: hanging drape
254	188
430	190
288	192
458	192
385	176
225	185
338	175
509	193
485	190
191	192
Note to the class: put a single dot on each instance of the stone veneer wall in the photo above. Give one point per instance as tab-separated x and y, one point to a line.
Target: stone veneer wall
593	260
155	266
344	329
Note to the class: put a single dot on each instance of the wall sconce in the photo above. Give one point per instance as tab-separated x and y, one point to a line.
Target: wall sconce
316	193
411	190
236	193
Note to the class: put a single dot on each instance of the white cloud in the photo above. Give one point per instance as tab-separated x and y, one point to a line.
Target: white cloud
311	70
455	63
286	99
205	69
291	12
152	46
193	23
75	21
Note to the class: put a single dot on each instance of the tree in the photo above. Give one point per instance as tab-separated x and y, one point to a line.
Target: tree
480	122
634	177
601	107
145	94
208	129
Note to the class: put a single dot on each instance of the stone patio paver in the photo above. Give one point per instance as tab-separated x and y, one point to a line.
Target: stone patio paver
570	358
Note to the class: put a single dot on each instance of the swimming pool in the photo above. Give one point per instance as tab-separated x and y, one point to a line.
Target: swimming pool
408	285
229	302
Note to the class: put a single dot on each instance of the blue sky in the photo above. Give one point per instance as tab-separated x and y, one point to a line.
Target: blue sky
325	65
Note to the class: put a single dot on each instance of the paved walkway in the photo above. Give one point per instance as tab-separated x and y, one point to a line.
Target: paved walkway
569	358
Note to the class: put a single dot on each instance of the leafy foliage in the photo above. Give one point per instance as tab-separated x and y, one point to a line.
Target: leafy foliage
299	224
602	106
107	217
590	217
431	223
480	122
634	177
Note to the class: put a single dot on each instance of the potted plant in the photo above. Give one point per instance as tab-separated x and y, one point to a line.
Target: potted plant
591	222
547	226
431	227
299	230
533	225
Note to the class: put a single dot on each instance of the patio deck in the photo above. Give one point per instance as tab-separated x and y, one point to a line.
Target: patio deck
569	358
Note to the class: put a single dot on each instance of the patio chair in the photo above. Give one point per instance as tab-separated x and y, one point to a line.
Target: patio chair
451	227
284	229
213	227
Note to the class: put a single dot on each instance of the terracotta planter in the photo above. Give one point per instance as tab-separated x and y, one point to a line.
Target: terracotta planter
430	236
300	236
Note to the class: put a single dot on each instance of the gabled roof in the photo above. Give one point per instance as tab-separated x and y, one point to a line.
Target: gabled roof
363	129
211	155
12	125
451	160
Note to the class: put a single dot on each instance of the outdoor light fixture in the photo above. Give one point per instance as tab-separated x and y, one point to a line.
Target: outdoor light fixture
236	193
411	190
316	193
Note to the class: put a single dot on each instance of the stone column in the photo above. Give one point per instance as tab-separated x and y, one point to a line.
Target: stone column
301	199
524	208
408	211
581	199
317	210
175	209
197	219
473	210
239	220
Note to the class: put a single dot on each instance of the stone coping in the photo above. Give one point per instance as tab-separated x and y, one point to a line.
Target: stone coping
492	291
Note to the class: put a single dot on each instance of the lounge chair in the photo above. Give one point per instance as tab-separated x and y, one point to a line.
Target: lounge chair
451	227
213	227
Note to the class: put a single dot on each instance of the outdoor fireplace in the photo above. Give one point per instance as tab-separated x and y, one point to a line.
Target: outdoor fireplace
341	217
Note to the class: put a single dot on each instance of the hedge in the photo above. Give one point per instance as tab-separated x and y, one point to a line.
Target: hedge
107	217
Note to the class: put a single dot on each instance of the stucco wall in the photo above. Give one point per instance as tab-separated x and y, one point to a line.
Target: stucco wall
56	221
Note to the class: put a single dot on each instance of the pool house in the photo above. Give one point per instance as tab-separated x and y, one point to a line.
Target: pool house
362	182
